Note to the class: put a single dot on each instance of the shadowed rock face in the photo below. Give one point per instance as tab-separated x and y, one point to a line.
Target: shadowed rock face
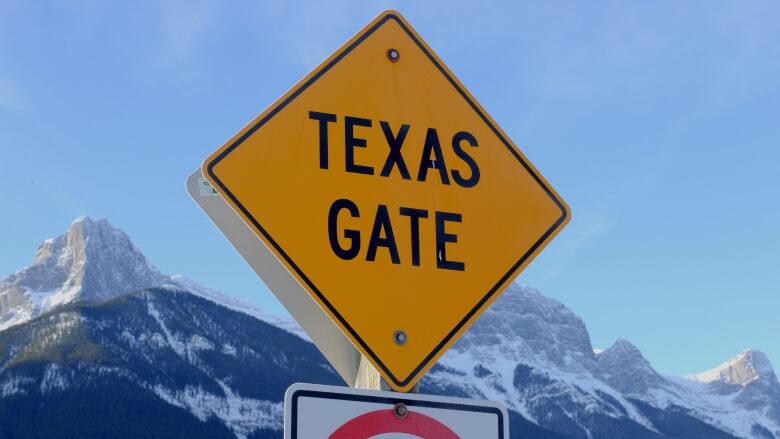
538	327
92	261
623	367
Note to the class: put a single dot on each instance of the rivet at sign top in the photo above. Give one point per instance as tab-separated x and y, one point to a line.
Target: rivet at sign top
400	410
393	55
399	337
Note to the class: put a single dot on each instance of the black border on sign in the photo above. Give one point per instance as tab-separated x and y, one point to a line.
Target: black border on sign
304	393
294	266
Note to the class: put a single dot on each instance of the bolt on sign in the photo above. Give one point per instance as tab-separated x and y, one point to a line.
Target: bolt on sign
318	412
391	195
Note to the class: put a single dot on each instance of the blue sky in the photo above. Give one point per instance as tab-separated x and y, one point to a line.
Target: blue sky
658	122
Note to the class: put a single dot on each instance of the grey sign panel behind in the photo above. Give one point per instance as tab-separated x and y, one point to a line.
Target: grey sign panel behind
315	322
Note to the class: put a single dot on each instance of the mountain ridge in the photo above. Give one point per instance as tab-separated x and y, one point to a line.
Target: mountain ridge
514	351
106	319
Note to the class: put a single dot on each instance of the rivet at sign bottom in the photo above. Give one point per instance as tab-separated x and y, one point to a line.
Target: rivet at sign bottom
400	410
399	337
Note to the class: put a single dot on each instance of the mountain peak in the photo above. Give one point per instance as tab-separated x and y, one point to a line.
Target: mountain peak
94	261
745	367
99	260
524	324
81	219
91	261
624	368
623	347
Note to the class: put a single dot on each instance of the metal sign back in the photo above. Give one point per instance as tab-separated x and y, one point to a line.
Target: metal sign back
333	344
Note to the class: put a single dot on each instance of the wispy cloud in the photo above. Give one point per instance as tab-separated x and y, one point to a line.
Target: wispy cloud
578	236
311	50
748	59
728	52
183	27
589	232
184	23
314	29
11	96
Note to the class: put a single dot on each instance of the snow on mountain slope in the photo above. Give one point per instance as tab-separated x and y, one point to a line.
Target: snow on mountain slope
154	359
179	282
741	396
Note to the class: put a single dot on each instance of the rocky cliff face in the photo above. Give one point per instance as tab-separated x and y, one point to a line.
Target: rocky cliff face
92	261
624	368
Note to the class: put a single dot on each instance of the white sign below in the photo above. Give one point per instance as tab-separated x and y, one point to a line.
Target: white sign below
327	412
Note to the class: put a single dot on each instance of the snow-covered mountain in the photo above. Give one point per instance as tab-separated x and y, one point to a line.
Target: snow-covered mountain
95	341
742	395
92	262
153	363
534	355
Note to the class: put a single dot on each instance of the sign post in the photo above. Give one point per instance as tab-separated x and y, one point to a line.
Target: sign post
386	210
391	197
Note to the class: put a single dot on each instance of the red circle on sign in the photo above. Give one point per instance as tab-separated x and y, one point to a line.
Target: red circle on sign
384	421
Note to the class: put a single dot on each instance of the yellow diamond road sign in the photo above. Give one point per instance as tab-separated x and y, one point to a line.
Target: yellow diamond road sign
391	195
